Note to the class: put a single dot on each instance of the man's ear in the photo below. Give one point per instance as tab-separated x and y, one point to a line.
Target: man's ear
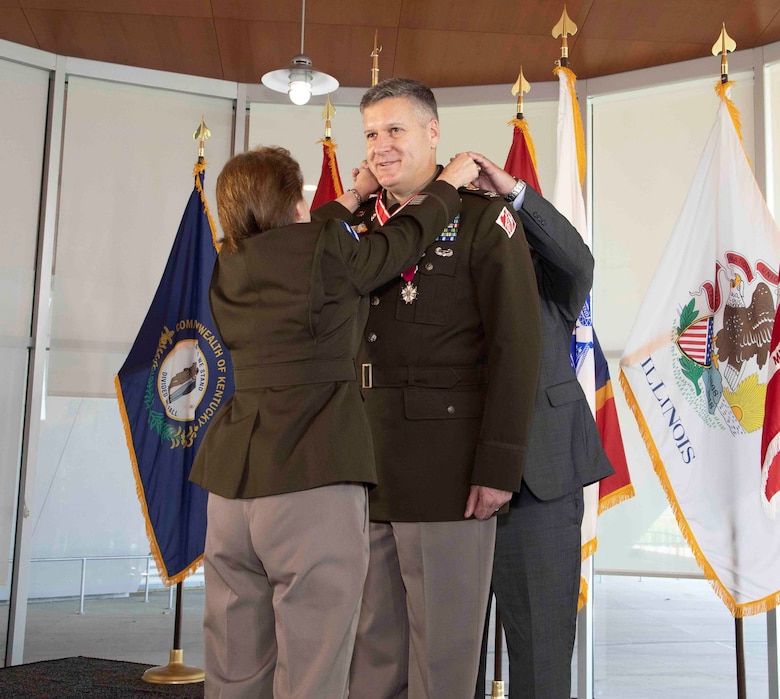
433	126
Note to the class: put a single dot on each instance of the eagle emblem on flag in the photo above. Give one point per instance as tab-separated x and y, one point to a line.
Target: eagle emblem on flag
723	346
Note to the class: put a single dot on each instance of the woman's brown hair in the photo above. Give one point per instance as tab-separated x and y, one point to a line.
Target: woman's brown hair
257	191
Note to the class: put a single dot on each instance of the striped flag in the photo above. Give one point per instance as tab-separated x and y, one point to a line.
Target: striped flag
695	368
172	383
770	437
329	187
521	159
616	488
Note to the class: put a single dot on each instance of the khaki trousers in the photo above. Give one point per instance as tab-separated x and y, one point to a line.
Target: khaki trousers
423	610
284	577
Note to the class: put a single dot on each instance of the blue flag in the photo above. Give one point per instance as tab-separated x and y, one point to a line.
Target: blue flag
174	380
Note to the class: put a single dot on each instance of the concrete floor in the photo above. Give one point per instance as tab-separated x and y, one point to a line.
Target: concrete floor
654	637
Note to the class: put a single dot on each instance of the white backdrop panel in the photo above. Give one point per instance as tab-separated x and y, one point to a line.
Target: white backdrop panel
128	156
23	123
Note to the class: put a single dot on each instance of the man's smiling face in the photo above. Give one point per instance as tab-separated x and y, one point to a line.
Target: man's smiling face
400	145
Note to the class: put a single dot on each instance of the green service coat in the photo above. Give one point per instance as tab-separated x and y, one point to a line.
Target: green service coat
290	306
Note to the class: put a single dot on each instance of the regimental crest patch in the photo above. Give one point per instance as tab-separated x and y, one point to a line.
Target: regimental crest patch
507	221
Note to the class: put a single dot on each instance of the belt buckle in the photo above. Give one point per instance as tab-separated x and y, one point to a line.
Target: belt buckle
366	376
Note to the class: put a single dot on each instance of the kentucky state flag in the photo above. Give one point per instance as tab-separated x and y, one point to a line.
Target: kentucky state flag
694	370
172	383
329	187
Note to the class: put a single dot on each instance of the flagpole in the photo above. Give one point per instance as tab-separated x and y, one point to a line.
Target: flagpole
497	688
176	672
375	61
740	636
722	46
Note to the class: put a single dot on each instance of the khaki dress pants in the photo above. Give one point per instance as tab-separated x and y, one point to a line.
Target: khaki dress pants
284	577
423	610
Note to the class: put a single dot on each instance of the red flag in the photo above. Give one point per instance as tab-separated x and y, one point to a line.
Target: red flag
770	437
521	161
615	488
329	186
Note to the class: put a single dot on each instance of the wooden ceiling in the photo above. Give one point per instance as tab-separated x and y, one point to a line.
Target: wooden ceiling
444	43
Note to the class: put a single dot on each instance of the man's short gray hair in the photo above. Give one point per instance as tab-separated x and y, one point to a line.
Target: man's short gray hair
420	95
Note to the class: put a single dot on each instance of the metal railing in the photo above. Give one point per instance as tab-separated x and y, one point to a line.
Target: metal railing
149	574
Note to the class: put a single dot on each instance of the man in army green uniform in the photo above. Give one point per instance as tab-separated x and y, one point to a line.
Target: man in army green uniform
449	365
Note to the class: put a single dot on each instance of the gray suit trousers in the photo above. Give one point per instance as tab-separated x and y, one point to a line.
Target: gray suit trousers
536	580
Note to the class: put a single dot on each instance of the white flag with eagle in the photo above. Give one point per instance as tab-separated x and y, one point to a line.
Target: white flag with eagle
694	370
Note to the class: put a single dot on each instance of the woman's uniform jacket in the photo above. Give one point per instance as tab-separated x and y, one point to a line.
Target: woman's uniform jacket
290	307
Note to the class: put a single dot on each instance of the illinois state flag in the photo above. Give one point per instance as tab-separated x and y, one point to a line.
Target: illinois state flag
694	370
172	383
329	187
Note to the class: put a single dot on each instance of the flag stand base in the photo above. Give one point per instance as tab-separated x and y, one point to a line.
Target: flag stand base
498	690
175	672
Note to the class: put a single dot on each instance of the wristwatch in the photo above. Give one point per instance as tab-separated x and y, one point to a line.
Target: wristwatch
519	187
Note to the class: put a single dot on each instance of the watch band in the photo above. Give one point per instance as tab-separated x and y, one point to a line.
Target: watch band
519	187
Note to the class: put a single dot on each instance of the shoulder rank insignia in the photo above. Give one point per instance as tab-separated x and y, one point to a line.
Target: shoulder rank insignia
450	233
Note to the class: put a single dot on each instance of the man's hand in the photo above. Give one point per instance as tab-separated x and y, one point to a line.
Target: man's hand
492	177
364	181
459	171
484	502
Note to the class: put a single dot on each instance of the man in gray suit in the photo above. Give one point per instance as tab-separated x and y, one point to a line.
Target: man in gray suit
536	568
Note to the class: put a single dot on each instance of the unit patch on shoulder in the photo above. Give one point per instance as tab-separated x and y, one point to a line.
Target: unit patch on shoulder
507	222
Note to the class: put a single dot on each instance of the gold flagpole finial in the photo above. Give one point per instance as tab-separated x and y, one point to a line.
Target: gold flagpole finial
375	62
328	112
201	134
722	46
521	85
564	28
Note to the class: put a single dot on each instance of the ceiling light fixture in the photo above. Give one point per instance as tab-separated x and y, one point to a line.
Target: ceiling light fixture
299	80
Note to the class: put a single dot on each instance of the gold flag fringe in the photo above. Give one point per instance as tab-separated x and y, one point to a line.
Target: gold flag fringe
522	124
722	90
582	598
579	134
331	145
587	550
167	580
616	497
737	610
200	166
